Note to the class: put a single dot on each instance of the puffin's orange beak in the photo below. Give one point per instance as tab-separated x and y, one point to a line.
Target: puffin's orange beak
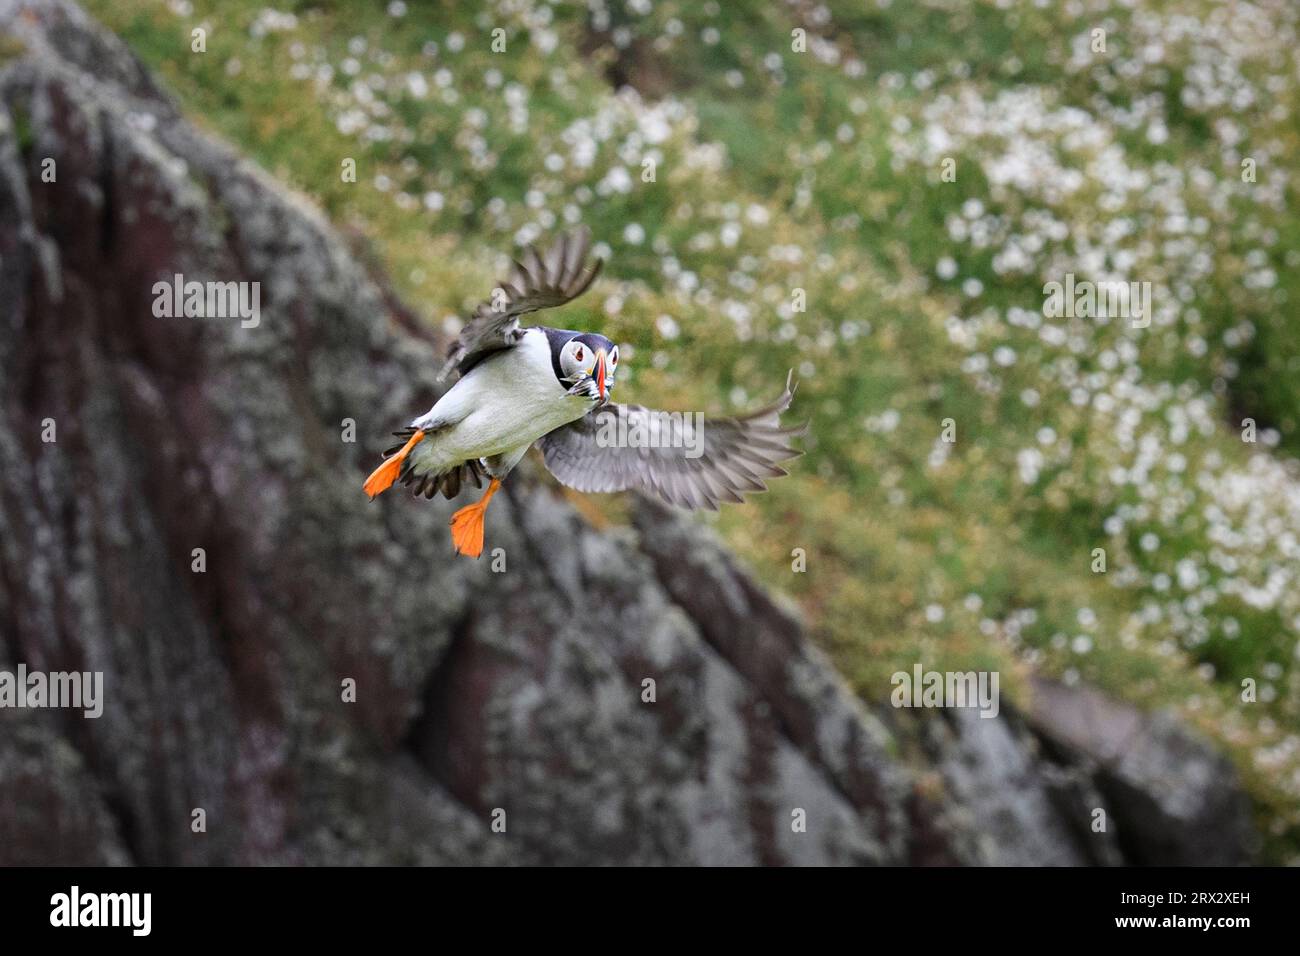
600	375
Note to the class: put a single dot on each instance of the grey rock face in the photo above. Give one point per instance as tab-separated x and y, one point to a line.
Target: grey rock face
520	698
1174	800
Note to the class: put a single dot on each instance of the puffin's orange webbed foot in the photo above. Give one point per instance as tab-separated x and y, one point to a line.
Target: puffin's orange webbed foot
382	477
467	524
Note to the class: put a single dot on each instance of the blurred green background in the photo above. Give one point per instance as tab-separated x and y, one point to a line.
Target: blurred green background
1166	158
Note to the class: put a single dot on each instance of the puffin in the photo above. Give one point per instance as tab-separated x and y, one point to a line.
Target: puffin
518	386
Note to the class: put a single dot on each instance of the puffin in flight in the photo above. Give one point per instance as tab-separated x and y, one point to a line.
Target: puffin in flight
520	386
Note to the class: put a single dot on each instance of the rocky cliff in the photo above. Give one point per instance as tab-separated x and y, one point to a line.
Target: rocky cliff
180	509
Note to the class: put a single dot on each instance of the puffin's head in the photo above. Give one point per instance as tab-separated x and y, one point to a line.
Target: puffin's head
587	363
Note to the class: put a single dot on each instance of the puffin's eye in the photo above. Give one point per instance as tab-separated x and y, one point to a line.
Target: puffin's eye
577	355
613	358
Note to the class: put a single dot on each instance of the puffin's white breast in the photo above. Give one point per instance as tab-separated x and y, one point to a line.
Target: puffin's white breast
506	402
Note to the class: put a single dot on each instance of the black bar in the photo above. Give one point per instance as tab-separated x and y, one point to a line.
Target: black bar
336	905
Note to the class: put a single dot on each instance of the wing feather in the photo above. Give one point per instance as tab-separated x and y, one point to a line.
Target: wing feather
736	454
537	281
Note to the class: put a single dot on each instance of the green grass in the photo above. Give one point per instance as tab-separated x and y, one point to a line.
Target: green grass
778	171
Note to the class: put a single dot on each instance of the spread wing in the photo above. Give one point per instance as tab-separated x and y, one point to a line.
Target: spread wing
621	447
536	282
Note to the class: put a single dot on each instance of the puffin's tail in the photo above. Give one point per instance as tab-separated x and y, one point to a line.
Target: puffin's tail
387	473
